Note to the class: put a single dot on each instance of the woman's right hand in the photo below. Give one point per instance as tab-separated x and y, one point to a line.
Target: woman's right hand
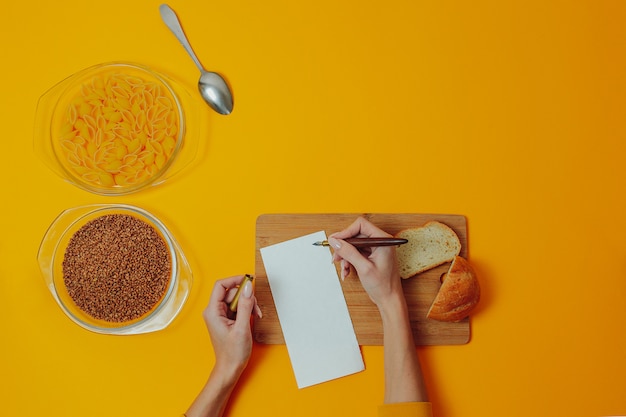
377	268
378	271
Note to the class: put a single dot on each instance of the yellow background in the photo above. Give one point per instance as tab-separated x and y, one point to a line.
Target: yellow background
510	113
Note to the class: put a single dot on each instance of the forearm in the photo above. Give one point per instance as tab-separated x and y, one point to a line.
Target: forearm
212	400
403	374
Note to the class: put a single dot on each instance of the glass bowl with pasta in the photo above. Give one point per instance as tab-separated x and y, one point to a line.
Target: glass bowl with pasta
116	128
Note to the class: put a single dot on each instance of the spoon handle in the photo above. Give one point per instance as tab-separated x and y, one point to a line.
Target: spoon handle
171	21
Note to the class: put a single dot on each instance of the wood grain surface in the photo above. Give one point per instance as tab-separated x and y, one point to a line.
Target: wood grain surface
419	290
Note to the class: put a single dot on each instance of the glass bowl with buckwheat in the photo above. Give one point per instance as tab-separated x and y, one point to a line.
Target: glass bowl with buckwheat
114	269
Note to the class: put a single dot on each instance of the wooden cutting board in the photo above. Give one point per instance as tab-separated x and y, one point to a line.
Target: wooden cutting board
419	290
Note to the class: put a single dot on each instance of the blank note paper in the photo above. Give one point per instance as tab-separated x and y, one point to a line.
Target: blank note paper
312	310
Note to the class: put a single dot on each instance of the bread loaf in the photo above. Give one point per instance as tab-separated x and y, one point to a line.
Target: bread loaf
429	246
458	295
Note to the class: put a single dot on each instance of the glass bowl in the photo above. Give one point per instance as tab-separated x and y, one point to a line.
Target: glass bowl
116	128
53	251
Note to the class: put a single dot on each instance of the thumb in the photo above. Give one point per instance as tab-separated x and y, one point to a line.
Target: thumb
245	306
348	252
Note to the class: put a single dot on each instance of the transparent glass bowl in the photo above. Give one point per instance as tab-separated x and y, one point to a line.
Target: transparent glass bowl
116	128
52	251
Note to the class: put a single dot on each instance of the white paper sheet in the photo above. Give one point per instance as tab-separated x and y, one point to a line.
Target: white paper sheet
312	310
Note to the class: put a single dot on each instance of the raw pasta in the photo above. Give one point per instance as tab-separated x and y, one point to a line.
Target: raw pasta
120	131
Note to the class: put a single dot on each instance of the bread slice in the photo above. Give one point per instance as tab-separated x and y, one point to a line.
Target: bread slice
458	295
429	246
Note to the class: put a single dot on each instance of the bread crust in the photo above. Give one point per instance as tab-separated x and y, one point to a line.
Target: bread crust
458	295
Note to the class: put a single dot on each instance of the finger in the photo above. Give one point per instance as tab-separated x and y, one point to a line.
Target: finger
230	295
349	253
216	316
342	269
257	309
220	292
222	286
345	269
245	306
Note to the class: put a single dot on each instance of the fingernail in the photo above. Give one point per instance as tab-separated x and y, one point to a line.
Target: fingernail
247	290
343	270
334	242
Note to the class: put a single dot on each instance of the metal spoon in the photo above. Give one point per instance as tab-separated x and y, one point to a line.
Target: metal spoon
212	86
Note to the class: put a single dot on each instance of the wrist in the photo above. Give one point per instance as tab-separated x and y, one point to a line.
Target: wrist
226	375
394	310
213	398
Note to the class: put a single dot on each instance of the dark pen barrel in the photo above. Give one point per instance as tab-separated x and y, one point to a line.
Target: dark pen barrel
368	242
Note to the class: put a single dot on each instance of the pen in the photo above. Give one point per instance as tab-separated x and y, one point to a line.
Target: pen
368	242
233	304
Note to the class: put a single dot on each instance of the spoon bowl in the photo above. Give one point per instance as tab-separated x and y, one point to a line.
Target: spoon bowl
215	91
212	86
